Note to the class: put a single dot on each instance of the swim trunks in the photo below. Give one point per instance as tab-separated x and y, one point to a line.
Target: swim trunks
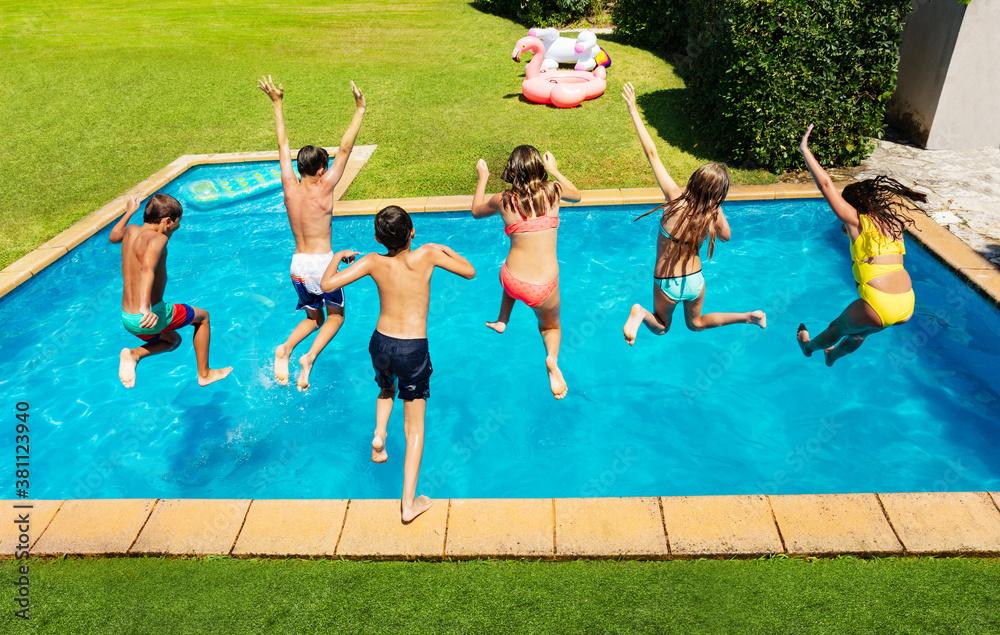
169	317
406	360
307	271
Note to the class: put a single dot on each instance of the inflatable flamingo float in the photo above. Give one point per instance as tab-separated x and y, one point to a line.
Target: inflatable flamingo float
564	89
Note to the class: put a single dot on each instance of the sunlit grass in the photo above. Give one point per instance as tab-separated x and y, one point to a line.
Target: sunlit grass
98	95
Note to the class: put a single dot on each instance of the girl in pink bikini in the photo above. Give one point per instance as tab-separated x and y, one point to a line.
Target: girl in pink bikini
530	212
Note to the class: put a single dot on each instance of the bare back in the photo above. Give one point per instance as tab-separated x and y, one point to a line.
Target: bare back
310	207
532	256
404	291
136	242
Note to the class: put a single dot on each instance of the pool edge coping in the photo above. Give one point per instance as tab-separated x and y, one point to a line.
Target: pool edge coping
947	524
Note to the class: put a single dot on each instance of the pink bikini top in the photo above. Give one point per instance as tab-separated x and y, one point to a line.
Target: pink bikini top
533	224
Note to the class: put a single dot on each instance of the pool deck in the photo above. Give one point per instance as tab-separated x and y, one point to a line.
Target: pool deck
897	524
653	528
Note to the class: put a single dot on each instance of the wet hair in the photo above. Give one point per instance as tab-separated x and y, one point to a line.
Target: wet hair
530	187
311	159
878	199
393	227
161	206
699	203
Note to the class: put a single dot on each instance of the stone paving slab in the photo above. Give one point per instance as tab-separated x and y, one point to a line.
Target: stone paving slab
830	524
501	528
609	528
37	260
298	528
945	522
95	527
747	192
636	195
39	516
10	280
449	203
411	205
597	197
357	208
374	531
191	527
726	526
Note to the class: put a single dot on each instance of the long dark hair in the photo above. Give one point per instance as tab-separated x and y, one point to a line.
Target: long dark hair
878	199
700	201
530	187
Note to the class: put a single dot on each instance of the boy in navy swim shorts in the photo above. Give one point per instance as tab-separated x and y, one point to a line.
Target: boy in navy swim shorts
398	346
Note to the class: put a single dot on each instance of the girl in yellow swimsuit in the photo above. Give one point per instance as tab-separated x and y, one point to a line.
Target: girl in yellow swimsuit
873	218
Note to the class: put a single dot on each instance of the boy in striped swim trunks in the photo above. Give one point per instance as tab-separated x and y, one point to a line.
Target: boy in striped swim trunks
309	203
144	271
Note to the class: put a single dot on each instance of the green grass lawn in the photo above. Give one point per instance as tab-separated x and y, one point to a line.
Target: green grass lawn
222	595
97	95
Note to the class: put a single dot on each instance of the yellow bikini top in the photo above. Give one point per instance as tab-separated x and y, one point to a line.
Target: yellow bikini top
871	242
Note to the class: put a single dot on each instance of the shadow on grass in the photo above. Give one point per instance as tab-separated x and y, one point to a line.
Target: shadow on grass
666	115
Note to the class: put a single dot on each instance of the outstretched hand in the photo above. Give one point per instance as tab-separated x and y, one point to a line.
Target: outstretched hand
132	204
482	170
550	162
628	94
267	85
359	97
804	144
347	257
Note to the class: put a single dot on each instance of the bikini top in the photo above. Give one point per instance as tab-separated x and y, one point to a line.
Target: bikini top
669	237
533	224
871	242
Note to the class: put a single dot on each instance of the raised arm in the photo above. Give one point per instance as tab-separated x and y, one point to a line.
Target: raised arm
334	278
147	274
844	210
284	154
118	231
332	176
481	207
569	191
670	189
446	258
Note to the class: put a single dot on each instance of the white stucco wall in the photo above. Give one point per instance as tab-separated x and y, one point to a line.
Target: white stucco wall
948	84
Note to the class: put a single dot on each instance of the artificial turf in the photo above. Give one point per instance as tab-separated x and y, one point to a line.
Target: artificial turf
99	94
223	595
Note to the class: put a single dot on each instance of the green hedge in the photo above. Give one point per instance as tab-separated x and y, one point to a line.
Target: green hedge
659	26
540	13
758	71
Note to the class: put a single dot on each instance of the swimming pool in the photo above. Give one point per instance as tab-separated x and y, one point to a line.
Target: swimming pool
730	411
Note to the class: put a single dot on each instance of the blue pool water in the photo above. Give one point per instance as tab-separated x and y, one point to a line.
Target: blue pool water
734	410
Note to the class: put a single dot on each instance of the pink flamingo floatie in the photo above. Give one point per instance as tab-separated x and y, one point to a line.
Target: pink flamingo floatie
564	89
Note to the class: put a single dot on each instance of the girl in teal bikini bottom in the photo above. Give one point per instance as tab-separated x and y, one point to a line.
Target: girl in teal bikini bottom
690	216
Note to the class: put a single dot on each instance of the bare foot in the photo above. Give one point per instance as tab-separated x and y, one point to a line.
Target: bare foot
379	455
306	362
826	353
126	368
632	324
497	326
759	318
281	365
420	505
803	337
214	375
556	381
